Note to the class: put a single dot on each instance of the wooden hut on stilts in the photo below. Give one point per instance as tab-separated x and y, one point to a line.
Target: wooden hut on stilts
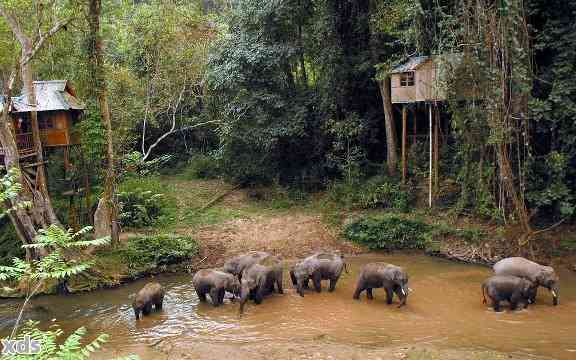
418	88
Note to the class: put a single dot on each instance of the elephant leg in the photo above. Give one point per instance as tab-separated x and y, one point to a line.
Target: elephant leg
358	291
201	295
389	295
214	296
293	278
317	282
369	294
158	305
221	294
279	284
258	297
333	282
533	294
147	309
496	305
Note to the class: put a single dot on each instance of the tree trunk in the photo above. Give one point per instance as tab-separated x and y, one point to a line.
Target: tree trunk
20	216
391	154
107	205
42	202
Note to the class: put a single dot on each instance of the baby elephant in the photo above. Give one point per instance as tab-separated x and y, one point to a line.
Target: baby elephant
151	294
215	283
513	289
381	275
259	279
318	267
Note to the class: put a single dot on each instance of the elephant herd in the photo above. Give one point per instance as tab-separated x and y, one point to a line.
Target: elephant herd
257	274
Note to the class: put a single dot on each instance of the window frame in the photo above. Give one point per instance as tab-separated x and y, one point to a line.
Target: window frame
407	79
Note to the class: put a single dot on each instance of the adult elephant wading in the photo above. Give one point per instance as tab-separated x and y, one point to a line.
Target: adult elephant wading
237	264
258	280
318	267
539	275
381	275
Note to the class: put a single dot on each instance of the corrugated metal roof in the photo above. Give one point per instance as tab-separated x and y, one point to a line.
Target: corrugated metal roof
410	65
50	95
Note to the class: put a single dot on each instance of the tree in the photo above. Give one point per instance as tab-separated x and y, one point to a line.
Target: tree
42	214
106	216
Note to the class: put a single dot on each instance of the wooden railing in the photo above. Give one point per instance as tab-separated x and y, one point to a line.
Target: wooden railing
25	141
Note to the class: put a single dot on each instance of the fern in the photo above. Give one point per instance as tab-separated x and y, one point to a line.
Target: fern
72	348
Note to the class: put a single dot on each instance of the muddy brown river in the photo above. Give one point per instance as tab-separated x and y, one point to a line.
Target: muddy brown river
444	310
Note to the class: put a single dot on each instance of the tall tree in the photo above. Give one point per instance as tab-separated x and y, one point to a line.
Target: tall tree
105	218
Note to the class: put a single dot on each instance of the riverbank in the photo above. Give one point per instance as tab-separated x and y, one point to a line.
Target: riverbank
213	221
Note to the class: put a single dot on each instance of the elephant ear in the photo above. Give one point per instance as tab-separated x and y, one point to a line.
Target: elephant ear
397	277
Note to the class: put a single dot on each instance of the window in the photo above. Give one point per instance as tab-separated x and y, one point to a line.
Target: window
407	79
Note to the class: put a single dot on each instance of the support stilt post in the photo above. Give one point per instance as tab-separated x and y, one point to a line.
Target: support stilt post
431	155
436	147
404	136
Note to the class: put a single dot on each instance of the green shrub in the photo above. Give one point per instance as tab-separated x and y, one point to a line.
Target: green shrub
142	203
157	250
378	192
203	166
388	232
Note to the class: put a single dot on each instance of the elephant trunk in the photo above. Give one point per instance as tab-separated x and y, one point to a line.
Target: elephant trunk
404	291
554	290
244	294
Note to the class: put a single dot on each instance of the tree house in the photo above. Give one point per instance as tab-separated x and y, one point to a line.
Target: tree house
420	82
58	110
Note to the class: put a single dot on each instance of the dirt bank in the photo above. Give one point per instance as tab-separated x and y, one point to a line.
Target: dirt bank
287	236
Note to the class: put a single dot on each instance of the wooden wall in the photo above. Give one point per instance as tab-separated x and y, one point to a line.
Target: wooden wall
427	86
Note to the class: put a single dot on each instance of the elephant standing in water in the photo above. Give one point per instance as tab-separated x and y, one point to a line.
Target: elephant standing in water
150	295
381	275
539	275
258	280
513	289
318	267
237	264
215	283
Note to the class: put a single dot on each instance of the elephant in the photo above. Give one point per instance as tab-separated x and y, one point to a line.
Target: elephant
150	295
215	283
237	264
539	275
318	267
258	280
514	289
381	275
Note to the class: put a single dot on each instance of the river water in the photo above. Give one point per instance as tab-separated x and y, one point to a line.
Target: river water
444	310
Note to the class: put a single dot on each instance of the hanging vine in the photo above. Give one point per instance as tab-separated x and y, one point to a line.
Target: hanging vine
489	94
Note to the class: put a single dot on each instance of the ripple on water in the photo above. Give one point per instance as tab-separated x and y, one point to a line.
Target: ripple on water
445	308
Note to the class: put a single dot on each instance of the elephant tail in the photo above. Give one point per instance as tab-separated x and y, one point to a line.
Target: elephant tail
484	293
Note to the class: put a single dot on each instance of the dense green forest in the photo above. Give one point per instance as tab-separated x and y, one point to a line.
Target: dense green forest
290	101
289	93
